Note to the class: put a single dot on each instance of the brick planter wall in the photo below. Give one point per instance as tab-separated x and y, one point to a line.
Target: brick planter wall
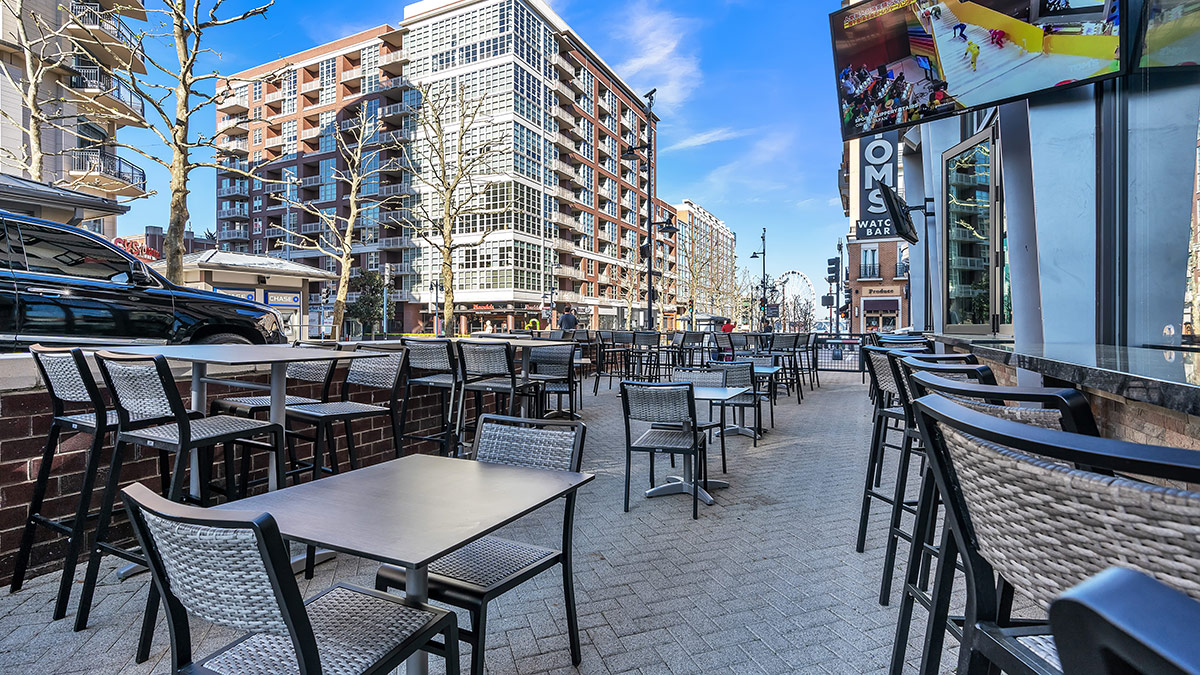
25	421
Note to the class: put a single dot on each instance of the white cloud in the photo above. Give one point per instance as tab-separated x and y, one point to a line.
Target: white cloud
659	58
834	203
706	137
755	171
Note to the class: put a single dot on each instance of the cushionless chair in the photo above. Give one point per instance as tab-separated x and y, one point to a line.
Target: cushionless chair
144	387
670	410
741	374
233	569
488	368
552	367
487	568
1018	512
432	363
702	377
1120	622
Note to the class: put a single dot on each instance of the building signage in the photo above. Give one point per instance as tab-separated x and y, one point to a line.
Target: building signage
880	154
483	308
240	293
138	249
283	299
773	311
883	290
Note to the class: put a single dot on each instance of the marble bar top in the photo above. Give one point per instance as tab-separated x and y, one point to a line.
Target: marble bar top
1161	377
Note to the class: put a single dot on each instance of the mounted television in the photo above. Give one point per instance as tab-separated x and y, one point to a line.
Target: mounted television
899	213
902	62
1170	35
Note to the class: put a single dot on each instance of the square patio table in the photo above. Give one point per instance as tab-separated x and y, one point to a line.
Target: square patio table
683	484
410	511
524	344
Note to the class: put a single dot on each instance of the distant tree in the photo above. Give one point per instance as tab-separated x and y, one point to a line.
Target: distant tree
367	309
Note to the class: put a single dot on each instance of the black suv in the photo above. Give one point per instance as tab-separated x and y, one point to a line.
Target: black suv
63	285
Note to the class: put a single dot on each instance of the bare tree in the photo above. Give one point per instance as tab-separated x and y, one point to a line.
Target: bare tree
175	91
699	263
453	162
42	56
360	150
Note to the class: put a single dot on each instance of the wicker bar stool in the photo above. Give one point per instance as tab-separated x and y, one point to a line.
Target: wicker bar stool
785	346
1018	512
488	367
670	409
487	568
741	374
432	363
233	569
553	368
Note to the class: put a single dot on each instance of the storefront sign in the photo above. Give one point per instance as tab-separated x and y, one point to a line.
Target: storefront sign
482	308
283	299
240	293
883	290
138	249
879	161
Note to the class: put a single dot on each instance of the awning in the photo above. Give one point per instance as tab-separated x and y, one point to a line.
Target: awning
881	305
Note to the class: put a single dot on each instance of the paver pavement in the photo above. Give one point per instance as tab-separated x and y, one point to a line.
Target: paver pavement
766	581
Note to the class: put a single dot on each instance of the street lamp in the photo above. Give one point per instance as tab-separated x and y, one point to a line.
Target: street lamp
762	254
664	226
435	287
549	314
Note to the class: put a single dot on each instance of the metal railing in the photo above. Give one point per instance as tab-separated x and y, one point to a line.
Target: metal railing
235	190
95	160
868	271
236	212
901	269
93	77
236	234
90	15
840	352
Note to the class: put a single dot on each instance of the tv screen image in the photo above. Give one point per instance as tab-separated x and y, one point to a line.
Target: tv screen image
902	62
1172	35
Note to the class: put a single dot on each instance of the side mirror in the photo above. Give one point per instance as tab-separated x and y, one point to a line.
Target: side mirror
140	276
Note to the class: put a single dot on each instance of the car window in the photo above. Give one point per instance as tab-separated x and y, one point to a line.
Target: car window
50	250
4	264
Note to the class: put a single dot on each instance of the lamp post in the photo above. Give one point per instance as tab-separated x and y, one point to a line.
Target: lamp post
549	314
664	226
436	287
762	254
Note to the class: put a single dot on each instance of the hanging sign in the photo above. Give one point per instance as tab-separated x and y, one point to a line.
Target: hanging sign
879	157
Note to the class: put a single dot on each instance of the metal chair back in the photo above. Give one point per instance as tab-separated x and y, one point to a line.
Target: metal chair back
435	355
485	359
377	372
538	444
658	402
699	377
1053	408
68	379
644	338
143	387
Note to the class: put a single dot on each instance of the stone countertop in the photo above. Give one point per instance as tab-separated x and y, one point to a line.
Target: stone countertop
968	341
1162	377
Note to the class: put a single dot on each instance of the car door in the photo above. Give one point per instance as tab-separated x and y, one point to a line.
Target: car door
73	288
8	295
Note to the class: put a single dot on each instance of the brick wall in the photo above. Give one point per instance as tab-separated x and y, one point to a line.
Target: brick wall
25	421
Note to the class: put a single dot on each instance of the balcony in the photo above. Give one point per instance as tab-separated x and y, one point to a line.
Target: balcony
233	103
396	190
313	228
902	269
235	126
602	104
573	131
560	139
235	146
564	92
395	165
100	91
562	115
393	62
564	220
234	191
231	165
563	169
277	233
352	74
107	35
395	137
239	212
310	86
396	244
395	110
273	188
565	69
105	171
868	271
235	234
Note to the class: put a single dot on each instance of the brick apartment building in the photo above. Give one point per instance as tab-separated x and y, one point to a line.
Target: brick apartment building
577	227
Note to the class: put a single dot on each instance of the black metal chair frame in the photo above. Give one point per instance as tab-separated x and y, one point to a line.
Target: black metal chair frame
698	448
277	564
752	399
503	382
547	383
474	598
449	392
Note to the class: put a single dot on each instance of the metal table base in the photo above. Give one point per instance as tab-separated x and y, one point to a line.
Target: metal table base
677	485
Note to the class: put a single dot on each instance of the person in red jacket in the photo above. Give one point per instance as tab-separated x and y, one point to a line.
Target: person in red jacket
727	327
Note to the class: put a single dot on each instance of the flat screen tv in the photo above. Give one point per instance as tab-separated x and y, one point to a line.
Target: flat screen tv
899	213
902	62
1171	34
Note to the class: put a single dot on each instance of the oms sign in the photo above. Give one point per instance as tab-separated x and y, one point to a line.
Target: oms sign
879	157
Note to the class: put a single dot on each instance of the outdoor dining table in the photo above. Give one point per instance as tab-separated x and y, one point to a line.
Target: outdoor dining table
410	511
526	345
683	484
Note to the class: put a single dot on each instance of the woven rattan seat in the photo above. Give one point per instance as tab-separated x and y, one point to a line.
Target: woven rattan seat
487	562
354	631
502	384
335	409
89	419
202	430
435	380
265	401
665	439
1043	647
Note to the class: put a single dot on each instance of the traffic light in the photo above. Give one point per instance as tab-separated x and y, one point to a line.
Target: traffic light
833	270
762	304
325	295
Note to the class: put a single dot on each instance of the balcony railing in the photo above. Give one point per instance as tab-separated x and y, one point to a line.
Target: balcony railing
868	271
235	190
238	212
95	160
236	234
901	269
92	77
90	15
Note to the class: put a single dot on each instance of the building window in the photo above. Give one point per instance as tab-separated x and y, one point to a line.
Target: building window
868	265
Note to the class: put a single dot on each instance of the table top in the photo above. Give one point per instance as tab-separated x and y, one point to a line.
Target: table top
718	393
767	370
243	355
516	342
410	511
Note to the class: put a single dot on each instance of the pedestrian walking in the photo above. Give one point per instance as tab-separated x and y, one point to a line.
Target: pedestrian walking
568	321
973	52
960	31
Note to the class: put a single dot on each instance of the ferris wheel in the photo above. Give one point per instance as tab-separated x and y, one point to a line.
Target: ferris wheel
795	289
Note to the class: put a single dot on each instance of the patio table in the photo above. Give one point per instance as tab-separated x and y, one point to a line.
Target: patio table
524	344
410	511
683	484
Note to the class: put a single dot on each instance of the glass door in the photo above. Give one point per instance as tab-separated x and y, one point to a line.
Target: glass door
975	264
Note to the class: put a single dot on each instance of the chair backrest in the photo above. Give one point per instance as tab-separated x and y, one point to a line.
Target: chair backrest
693	338
645	338
556	334
699	377
1121	622
553	360
785	342
764	361
230	568
658	402
880	371
377	372
623	337
677	339
539	444
142	387
430	354
485	359
737	373
1015	509
1053	408
68	378
724	342
738	339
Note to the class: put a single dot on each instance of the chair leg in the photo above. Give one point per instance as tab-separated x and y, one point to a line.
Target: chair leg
652	470
100	536
569	600
628	465
877	438
78	525
35	507
331	449
396	432
149	617
893	540
479	627
318	452
695	486
450	654
935	629
351	453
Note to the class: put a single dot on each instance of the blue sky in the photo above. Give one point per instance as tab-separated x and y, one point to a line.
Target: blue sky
745	92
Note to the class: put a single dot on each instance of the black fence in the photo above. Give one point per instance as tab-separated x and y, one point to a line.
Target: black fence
840	353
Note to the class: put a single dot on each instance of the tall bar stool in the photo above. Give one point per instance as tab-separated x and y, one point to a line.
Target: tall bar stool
785	347
488	367
887	416
644	357
143	387
432	363
69	382
553	368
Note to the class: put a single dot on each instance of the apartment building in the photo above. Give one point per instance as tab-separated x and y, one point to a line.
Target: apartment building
707	261
575	232
88	41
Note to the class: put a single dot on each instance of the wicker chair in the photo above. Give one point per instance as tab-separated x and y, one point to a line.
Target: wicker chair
703	377
431	363
485	569
741	374
768	385
1121	621
1018	512
644	357
670	409
553	368
786	346
233	569
693	342
69	383
610	360
143	387
488	367
724	345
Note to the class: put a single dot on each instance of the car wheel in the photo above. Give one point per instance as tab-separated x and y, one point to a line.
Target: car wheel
222	339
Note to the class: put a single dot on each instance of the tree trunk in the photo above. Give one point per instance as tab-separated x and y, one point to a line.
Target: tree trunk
177	216
339	302
447	291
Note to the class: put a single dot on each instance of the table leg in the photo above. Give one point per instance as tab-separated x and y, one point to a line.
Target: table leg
677	485
416	588
278	416
199	404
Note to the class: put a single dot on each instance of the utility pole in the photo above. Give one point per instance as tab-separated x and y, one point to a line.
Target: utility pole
762	301
664	226
387	284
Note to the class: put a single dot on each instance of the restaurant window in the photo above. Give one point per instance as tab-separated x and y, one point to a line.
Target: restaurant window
868	266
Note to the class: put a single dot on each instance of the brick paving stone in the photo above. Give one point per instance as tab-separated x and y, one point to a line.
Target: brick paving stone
766	581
